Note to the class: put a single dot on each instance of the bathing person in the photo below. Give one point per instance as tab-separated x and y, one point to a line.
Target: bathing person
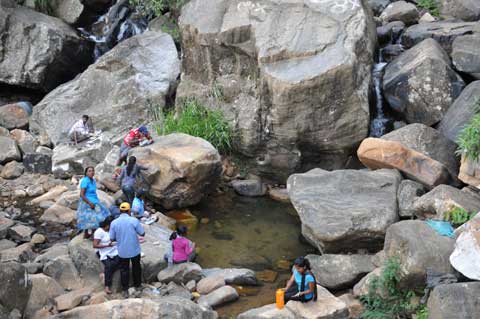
90	211
80	131
137	136
125	230
302	285
107	251
128	178
183	249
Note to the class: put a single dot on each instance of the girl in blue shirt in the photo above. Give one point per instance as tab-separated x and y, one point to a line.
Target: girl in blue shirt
302	285
90	210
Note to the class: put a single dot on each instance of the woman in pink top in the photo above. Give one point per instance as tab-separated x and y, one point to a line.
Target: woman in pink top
183	249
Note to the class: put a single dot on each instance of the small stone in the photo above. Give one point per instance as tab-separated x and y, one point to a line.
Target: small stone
38	239
12	170
191	285
283	264
250	187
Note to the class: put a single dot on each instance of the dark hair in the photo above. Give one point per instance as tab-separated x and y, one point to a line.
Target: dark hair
86	170
86	117
106	222
302	262
181	230
131	163
140	193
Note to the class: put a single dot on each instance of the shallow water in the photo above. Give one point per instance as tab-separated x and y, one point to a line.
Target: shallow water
255	233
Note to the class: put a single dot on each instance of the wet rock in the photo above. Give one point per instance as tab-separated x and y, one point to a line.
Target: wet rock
466	255
290	71
72	299
63	270
52	194
376	153
10	150
251	260
59	214
5	225
357	219
250	187
21	233
168	307
338	272
408	192
14	116
25	141
355	307
38	163
411	83
218	297
233	276
209	284
6	244
378	5
182	169
436	203
400	11
49	53
363	286
444	32
465	57
418	247
15	290
140	69
454	301
465	10
38	239
279	194
181	273
44	289
12	170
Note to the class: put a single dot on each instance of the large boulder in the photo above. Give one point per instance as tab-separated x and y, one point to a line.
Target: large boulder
15	289
445	32
338	272
58	214
233	276
52	253
10	150
168	307
418	247
209	284
15	115
44	289
156	245
238	59
25	141
466	255
400	11
460	112
39	51
357	219
420	84
182	169
85	260
116	92
436	203
180	273
466	10
464	56
63	270
454	301
218	297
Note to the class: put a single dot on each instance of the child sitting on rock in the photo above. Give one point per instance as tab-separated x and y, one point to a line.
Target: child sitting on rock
138	209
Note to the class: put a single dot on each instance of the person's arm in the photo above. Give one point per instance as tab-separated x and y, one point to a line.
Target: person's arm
96	244
112	233
139	229
311	289
290	282
121	177
84	198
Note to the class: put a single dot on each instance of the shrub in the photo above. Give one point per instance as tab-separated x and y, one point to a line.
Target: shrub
197	120
155	8
385	300
422	312
458	216
468	140
429	5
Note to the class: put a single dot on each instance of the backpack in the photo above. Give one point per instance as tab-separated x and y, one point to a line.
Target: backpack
302	286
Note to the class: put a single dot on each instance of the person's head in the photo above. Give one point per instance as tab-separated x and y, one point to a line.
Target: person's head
89	172
182	230
143	129
302	265
132	160
125	208
85	119
105	224
140	194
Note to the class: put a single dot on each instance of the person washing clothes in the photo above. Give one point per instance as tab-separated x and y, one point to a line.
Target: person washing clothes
183	250
138	136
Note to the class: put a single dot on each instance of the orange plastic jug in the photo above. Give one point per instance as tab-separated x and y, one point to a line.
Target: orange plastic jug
279	296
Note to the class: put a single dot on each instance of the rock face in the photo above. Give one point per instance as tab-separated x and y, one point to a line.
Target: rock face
14	116
466	255
445	32
466	10
85	260
442	199
454	301
420	84
59	214
460	112
10	151
39	51
378	153
38	163
260	74
418	247
140	69
357	219
181	169
408	192
218	297
169	307
180	273
15	291
400	11
340	271
464	56
44	289
469	172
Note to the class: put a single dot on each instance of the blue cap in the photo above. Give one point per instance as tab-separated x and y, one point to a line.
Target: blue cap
143	129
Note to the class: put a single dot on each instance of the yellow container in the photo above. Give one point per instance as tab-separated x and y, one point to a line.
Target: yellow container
279	296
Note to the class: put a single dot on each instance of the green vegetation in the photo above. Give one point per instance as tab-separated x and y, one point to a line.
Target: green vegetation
458	216
155	8
468	140
44	6
197	120
385	300
429	5
422	312
217	92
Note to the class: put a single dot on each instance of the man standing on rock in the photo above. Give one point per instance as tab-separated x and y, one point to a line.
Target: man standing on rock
125	230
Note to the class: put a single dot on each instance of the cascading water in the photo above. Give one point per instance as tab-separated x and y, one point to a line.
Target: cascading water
378	125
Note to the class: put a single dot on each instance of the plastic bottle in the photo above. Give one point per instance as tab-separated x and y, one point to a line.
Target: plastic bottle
279	296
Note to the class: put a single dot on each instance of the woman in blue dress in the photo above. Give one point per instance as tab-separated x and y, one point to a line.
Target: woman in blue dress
90	210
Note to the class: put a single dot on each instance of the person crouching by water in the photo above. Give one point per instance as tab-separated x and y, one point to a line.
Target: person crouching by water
90	210
302	285
80	131
182	248
125	230
107	252
128	178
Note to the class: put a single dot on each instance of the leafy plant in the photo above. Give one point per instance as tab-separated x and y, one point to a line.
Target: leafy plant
385	300
468	140
197	120
429	5
155	8
44	6
458	216
422	312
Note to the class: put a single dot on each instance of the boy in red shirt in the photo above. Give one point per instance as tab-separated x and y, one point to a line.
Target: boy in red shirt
137	136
